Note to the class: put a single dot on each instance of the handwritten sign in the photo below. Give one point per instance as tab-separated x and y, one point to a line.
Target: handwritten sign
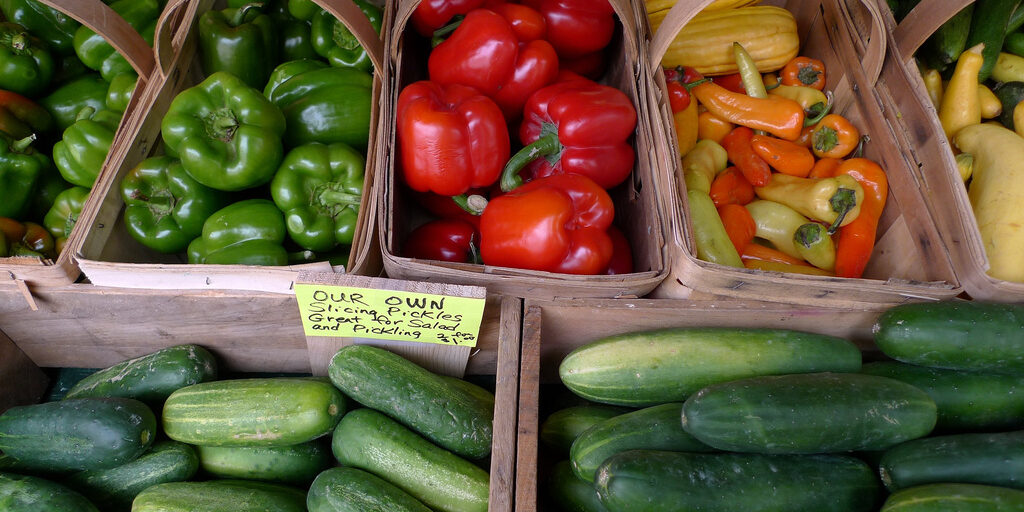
345	311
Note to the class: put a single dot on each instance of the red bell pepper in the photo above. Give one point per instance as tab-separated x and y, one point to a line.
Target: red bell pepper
555	224
431	15
591	65
577	27
622	253
501	53
443	240
451	138
575	127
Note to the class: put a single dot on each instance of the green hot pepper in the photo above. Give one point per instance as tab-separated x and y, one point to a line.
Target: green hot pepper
250	232
68	100
21	168
334	42
97	54
82	151
241	41
322	104
63	215
25	64
318	187
119	94
164	207
50	25
226	133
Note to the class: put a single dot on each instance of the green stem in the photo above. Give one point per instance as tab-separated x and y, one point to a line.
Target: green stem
20	146
841	202
85	113
811	121
474	204
548	144
243	11
442	33
19	42
336	197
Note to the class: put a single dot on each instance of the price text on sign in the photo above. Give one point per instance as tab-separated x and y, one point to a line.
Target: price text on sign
343	311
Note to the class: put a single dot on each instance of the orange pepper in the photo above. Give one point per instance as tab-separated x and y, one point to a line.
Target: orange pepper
739	225
857	239
805	137
825	168
776	115
784	156
805	72
773	266
686	128
712	127
834	137
761	253
741	154
730	187
14	230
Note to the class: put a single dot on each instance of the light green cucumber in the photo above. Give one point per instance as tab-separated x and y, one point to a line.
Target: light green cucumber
562	427
220	495
298	464
355	490
953	497
114	489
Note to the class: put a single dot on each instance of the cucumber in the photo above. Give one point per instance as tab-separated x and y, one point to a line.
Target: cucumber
298	464
653	428
944	47
371	441
355	490
1009	94
570	493
150	378
1016	20
958	335
562	427
20	493
809	413
220	495
655	481
481	394
1014	44
263	412
966	401
114	489
656	367
79	434
448	416
955	498
988	25
989	459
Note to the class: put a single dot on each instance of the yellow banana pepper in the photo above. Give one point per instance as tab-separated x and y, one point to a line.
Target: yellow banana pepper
777	223
702	163
835	201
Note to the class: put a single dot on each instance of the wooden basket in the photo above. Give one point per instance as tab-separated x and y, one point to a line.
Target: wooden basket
636	205
109	256
927	145
99	17
909	261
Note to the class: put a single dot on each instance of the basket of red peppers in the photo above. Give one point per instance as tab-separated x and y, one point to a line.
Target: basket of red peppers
518	162
787	181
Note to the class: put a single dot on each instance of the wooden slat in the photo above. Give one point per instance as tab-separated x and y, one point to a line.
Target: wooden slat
529	412
21	381
506	396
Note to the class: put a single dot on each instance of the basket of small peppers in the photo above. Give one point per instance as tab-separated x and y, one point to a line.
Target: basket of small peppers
521	146
789	184
263	112
70	72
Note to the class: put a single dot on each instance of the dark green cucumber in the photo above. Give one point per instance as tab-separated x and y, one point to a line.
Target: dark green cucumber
79	434
966	401
220	495
355	490
809	413
988	25
1016	19
150	378
298	464
955	498
443	481
654	481
958	335
19	493
115	488
653	428
448	416
1014	43
1009	94
265	412
562	427
988	459
945	45
656	367
570	493
480	393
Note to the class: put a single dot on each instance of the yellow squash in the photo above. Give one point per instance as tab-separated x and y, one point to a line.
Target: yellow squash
664	5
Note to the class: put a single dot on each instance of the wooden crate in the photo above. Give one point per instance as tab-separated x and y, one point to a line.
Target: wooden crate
22	271
21	381
636	207
553	329
109	256
909	262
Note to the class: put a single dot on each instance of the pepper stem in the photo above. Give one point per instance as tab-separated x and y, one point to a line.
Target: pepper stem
841	202
474	204
19	42
20	146
474	251
548	144
221	124
808	234
442	33
343	37
85	113
825	109
337	197
243	11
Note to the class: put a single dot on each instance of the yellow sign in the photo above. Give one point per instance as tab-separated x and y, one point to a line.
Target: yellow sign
344	311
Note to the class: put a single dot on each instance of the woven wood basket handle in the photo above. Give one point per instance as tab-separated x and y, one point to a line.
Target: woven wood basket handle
349	14
922	22
115	30
164	46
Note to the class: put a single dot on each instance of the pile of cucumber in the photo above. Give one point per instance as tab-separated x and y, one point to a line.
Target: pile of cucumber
160	433
703	419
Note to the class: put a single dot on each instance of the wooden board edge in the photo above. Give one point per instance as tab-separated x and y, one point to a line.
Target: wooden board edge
503	453
529	413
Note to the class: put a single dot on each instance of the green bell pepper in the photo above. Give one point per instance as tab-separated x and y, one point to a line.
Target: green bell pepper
296	41
97	54
68	68
63	215
241	41
26	66
333	41
226	133
318	187
322	104
119	94
68	100
303	10
21	167
51	184
250	232
52	26
21	117
164	207
82	151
